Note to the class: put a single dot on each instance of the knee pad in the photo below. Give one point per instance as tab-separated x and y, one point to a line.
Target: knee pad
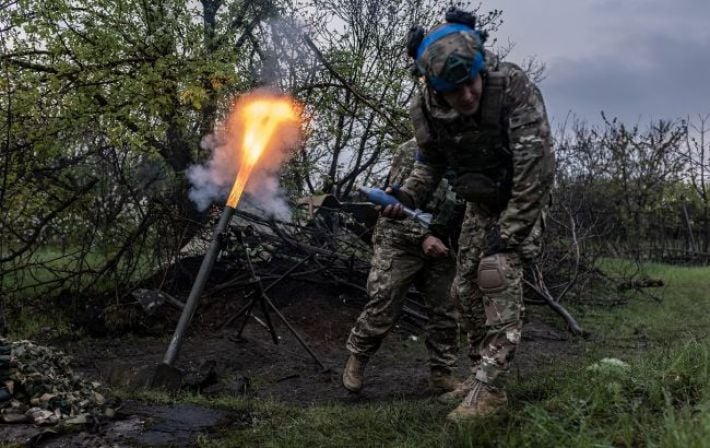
492	272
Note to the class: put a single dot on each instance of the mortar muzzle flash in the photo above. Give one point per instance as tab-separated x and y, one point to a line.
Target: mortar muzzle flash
381	198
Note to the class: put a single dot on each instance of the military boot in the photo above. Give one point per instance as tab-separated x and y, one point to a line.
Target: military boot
481	400
354	372
441	380
459	393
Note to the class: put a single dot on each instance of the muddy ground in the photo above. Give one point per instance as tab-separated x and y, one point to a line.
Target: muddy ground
256	367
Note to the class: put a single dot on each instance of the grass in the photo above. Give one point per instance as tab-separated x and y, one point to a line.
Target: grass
43	270
32	292
682	313
657	401
659	396
30	325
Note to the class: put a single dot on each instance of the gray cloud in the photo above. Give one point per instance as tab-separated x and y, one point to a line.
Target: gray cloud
635	59
656	76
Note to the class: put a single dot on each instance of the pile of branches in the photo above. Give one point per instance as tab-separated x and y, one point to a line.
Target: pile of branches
326	247
329	247
328	244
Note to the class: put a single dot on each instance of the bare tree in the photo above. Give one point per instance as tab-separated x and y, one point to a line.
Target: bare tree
698	169
642	165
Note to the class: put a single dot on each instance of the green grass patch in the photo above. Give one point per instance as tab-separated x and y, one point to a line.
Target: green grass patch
29	325
35	295
47	271
661	401
682	313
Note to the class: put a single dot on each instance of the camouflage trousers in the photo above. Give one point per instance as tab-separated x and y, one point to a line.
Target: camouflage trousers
395	269
492	310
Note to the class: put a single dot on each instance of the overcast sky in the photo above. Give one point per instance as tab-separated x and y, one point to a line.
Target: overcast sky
638	60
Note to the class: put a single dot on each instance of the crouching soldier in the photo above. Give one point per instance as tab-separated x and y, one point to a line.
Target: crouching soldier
406	254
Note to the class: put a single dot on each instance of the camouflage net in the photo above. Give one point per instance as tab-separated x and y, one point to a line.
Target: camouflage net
43	389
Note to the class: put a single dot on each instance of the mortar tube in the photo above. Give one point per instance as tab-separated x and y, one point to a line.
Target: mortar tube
198	286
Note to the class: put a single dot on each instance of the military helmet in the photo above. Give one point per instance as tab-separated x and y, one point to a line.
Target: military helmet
451	53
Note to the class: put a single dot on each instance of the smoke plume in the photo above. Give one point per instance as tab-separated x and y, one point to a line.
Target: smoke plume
212	181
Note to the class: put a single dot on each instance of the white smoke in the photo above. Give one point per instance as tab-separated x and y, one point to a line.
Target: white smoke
268	198
213	180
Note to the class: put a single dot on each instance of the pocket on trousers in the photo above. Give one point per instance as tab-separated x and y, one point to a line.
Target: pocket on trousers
379	278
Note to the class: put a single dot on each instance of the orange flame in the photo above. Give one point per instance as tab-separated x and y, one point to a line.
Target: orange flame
266	123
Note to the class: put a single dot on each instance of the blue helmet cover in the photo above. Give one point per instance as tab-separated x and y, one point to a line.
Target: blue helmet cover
460	68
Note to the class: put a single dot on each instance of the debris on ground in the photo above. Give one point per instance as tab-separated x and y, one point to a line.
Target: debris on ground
609	365
44	390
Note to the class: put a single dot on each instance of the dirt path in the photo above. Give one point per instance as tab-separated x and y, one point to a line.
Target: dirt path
284	371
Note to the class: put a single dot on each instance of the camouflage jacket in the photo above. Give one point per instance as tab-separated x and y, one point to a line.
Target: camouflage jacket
502	155
442	203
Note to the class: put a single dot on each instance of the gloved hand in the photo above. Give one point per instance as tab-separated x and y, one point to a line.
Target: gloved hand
494	243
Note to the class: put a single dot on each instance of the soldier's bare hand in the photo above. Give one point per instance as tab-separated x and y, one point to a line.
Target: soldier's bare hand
395	211
434	247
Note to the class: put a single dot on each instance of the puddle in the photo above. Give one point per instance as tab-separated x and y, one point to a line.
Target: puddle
145	425
173	425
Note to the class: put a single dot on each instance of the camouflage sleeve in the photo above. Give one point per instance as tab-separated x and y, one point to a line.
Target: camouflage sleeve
402	163
533	158
424	178
440	220
441	205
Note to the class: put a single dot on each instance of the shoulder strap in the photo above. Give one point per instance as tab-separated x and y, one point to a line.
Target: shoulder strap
492	99
423	132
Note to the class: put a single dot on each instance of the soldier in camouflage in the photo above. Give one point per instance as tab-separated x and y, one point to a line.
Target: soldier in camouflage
486	120
405	253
